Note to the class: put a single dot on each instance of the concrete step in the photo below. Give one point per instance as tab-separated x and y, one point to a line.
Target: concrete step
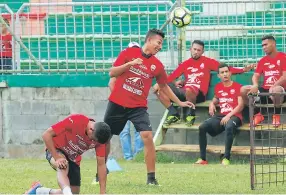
244	127
240	150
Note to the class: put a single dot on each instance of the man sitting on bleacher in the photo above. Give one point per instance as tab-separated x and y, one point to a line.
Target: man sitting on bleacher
273	68
196	71
228	97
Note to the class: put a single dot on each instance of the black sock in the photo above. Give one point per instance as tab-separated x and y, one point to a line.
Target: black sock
191	112
173	111
151	176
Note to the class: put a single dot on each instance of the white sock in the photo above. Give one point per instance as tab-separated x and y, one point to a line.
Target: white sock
43	191
67	191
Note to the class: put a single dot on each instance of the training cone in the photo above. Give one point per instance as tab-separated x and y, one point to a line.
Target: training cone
112	165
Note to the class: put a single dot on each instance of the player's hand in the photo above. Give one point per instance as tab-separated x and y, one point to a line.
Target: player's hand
212	109
61	163
179	84
224	120
136	61
253	90
156	88
249	67
187	104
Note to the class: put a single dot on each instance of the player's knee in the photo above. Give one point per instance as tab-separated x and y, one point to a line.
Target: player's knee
244	90
276	89
146	136
202	128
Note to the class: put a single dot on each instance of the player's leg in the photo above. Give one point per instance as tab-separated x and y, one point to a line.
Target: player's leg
244	91
62	177
115	117
193	95
140	118
277	101
211	126
258	117
173	115
74	177
231	129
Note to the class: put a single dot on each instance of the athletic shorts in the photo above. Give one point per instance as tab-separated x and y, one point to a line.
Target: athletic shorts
181	93
74	169
266	99
116	117
214	128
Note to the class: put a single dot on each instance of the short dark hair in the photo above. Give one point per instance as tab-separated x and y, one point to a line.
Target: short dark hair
102	132
153	32
222	65
269	37
199	42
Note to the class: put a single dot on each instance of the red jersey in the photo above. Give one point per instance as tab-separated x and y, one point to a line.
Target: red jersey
272	69
6	45
131	88
228	97
71	138
198	72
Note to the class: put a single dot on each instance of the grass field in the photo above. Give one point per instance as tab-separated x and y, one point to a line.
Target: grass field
185	178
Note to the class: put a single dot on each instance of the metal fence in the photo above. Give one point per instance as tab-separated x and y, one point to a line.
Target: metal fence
268	142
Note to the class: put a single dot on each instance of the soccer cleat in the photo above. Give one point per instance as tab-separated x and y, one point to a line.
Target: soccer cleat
153	182
171	119
225	161
257	119
276	120
190	120
33	188
201	162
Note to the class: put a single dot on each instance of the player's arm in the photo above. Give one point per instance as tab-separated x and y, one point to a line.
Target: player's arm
212	106
234	70
281	80
48	139
116	71
255	83
111	83
101	170
167	90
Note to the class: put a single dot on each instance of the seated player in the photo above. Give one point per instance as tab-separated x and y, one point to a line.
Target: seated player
273	69
227	96
196	71
66	141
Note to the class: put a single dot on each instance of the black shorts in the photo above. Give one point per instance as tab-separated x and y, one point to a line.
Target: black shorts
266	99
74	169
116	117
181	93
214	128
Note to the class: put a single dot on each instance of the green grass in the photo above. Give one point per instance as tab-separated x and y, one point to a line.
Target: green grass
17	175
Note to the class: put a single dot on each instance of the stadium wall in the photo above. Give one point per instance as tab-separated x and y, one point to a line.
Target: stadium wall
32	103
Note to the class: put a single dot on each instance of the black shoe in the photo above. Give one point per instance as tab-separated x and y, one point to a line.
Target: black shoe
190	120
152	182
171	119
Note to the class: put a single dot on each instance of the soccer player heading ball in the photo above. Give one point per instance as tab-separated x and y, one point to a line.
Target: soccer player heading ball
134	70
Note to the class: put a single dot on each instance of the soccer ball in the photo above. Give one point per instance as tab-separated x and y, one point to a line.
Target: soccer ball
180	17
